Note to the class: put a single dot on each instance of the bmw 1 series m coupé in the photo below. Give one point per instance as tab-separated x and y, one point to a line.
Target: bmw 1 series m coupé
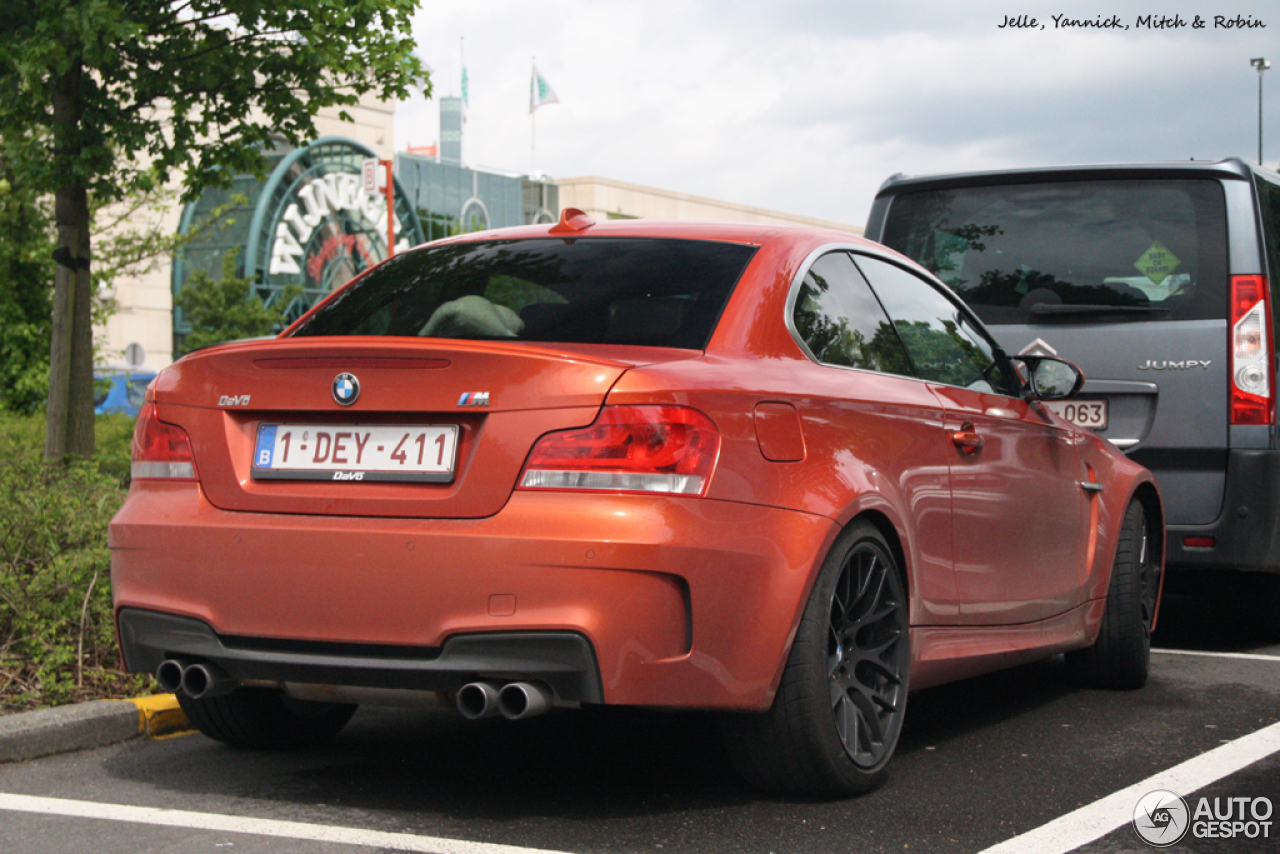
779	473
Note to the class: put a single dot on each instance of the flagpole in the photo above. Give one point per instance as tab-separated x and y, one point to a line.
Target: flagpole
462	57
533	121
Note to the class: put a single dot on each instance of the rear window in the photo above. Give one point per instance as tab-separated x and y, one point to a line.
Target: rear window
645	291
1072	250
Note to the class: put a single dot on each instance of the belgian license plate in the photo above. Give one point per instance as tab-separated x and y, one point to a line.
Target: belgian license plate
356	452
1082	413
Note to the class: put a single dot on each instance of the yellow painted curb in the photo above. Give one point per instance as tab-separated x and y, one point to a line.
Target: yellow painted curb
160	716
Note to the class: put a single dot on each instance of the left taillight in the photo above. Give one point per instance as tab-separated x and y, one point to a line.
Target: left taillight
1253	380
161	451
647	449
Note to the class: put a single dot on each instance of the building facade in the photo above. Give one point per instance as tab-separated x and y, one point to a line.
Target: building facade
605	198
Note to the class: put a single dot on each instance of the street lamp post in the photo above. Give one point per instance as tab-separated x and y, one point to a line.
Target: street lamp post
1260	63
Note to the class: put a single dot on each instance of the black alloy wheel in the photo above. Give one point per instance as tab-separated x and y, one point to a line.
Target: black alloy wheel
835	720
867	656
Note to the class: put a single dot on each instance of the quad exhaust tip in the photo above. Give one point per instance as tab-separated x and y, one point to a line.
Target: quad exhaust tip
514	700
169	675
478	700
520	700
197	679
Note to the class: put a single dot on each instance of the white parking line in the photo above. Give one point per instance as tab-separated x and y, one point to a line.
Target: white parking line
256	826
1068	832
1247	656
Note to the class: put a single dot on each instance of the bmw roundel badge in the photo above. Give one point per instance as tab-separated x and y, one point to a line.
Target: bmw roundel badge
346	389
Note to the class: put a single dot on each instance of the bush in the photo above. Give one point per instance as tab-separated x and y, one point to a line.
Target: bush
228	309
57	633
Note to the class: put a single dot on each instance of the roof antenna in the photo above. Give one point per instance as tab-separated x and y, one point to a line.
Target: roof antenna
572	221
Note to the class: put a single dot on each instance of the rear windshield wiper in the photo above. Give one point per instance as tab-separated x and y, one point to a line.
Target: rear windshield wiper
1044	309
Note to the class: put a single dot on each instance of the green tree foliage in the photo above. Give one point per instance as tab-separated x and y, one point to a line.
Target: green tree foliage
129	241
105	97
26	291
226	309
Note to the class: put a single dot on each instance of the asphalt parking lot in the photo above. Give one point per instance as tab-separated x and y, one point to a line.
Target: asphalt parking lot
1019	760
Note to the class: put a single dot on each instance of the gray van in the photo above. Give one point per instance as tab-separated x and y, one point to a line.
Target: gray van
1156	279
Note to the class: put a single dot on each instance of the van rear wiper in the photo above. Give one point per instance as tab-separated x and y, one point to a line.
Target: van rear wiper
1044	309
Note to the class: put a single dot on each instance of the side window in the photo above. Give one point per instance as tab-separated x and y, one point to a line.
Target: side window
841	322
943	343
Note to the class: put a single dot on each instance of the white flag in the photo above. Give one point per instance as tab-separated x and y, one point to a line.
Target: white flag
540	92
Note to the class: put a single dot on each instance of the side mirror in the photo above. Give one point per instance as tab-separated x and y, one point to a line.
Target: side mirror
1048	378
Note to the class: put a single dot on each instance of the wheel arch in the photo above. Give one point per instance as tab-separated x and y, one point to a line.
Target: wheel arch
1145	491
1153	511
890	533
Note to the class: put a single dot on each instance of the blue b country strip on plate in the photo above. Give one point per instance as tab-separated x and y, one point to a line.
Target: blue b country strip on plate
266	446
356	452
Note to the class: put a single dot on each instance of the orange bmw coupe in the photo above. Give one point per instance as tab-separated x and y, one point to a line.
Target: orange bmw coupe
779	473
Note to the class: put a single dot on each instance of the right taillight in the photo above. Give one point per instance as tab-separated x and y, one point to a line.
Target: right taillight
1252	375
160	450
669	449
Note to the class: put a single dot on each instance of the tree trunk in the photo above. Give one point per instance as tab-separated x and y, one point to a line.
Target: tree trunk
69	420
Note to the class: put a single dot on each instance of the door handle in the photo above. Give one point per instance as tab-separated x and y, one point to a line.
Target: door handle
967	439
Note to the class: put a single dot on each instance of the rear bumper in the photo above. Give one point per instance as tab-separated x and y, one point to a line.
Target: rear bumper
632	600
563	660
1247	532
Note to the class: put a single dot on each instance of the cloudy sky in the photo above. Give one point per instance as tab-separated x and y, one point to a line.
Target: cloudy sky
805	106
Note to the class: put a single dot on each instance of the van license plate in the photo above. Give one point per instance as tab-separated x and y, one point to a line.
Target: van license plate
356	452
1082	413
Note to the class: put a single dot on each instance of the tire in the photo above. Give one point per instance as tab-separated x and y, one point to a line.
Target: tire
835	720
265	719
1267	604
1121	656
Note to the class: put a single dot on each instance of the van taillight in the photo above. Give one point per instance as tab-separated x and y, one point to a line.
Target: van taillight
669	449
160	450
1252	374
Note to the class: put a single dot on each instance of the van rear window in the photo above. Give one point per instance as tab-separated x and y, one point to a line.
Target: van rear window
1152	249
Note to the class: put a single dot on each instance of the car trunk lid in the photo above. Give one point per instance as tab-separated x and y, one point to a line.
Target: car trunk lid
495	398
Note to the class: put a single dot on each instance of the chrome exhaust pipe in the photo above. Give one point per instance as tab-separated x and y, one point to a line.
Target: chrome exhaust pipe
169	675
478	700
520	700
201	681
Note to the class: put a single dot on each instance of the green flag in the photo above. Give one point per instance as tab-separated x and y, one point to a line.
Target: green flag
540	92
466	101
